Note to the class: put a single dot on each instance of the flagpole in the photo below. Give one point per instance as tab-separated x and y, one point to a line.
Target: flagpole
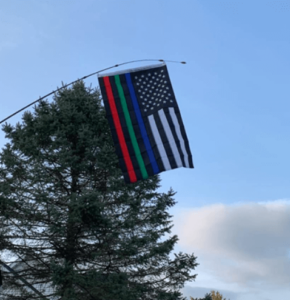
66	85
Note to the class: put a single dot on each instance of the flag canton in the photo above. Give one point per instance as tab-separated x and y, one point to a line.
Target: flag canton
153	89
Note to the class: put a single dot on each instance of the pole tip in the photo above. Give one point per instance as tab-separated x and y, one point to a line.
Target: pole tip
183	62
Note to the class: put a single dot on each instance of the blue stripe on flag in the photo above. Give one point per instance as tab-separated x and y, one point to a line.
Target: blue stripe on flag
141	125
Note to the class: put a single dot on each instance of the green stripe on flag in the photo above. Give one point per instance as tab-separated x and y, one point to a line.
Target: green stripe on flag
130	127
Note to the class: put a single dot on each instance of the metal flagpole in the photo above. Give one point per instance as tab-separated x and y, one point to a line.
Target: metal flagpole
129	62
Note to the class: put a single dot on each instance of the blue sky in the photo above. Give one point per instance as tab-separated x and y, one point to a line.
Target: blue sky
233	94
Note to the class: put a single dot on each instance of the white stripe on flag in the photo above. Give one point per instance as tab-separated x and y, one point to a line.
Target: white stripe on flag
170	137
159	143
178	132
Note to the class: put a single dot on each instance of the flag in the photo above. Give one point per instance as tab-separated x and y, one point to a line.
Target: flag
145	122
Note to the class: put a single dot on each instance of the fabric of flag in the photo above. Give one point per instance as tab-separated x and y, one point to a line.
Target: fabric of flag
145	122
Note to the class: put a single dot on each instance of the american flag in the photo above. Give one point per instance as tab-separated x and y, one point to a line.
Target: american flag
145	122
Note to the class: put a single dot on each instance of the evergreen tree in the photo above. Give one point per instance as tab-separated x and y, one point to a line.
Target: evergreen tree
78	231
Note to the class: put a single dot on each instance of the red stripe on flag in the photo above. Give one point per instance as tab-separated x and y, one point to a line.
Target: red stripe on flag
119	130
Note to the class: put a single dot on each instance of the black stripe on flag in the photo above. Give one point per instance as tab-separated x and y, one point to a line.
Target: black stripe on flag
183	133
165	141
173	130
153	145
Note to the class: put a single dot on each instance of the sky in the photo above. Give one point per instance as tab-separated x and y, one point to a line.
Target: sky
233	208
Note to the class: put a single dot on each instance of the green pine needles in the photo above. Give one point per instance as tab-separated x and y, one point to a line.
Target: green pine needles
69	222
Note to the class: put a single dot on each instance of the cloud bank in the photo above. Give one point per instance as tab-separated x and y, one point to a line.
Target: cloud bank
245	245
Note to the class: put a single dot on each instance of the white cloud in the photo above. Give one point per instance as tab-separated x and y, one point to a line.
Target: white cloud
245	245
